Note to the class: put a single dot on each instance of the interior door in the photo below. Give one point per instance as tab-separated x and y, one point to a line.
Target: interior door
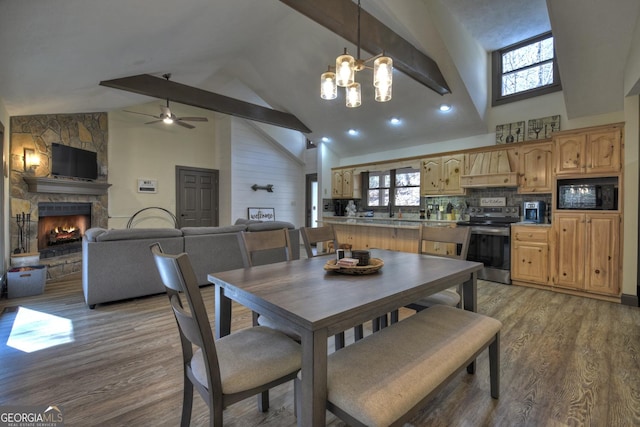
311	200
197	197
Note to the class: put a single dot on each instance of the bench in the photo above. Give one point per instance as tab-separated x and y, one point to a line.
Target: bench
387	378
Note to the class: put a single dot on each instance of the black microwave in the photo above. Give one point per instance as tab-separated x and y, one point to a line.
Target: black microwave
587	195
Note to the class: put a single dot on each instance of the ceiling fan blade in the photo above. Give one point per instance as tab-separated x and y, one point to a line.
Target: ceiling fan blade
194	119
154	121
184	125
142	114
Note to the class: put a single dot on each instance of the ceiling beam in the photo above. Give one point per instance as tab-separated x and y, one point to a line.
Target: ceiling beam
341	17
145	84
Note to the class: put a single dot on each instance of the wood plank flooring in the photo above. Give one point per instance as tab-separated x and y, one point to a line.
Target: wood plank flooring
566	361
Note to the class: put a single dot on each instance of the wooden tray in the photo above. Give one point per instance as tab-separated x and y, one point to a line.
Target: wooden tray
375	264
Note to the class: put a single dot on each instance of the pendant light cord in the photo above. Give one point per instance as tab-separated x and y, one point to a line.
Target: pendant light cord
358	29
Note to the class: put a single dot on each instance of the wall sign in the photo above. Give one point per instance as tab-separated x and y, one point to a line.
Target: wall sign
493	201
147	185
262	214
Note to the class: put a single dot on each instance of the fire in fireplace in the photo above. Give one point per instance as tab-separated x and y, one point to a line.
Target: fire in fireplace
61	227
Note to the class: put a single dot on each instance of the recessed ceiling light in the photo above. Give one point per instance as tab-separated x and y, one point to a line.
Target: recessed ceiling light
395	121
353	132
445	107
325	139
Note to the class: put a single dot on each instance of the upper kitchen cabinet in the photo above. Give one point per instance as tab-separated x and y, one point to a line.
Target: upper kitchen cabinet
594	151
535	168
344	185
441	175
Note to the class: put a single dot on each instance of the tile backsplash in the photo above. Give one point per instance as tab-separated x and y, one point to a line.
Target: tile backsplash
472	198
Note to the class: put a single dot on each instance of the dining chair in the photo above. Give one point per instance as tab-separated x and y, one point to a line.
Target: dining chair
326	235
312	236
458	239
267	247
245	363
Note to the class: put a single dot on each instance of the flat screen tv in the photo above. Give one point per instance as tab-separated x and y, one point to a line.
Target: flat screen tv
73	162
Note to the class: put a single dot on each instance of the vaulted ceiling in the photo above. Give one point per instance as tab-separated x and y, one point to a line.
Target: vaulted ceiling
53	54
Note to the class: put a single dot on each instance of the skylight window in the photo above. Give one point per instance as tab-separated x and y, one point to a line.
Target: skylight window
524	70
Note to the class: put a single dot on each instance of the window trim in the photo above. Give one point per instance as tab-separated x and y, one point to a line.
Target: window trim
496	74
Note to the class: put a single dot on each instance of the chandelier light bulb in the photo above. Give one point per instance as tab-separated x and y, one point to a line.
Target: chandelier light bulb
328	87
353	95
345	69
383	93
383	71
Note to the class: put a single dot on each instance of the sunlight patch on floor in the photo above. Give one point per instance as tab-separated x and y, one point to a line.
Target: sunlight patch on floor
34	330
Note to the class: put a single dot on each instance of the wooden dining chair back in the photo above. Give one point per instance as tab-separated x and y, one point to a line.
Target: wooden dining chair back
243	364
265	247
457	238
456	241
312	236
326	235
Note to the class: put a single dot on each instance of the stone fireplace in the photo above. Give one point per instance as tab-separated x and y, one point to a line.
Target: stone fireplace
53	202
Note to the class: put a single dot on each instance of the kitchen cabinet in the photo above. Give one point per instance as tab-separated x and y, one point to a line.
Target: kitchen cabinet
588	247
441	175
535	168
344	185
594	151
530	254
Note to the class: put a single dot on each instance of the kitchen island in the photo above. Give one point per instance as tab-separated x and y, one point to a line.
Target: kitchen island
397	234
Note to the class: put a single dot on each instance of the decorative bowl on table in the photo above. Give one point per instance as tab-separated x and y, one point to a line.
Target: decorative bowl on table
375	264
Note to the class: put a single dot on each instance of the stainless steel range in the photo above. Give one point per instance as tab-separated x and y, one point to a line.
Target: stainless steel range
491	240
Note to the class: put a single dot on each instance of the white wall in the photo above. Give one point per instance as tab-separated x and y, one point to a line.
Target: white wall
152	152
258	160
631	191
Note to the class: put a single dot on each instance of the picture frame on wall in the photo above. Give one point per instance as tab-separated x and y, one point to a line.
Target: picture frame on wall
542	128
510	132
261	214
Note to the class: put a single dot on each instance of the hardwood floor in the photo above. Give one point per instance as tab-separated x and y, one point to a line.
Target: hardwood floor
566	360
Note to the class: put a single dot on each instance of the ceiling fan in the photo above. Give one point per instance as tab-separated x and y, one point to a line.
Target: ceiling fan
168	117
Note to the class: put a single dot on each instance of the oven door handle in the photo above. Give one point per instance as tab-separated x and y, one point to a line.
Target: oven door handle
491	231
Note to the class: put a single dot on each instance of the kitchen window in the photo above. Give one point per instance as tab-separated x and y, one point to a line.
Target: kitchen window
395	187
525	70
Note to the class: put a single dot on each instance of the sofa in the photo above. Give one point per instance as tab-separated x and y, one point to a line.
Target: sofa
117	263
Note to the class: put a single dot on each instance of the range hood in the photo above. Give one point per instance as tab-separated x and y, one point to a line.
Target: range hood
490	169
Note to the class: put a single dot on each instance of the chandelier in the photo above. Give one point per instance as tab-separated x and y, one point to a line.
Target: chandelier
345	72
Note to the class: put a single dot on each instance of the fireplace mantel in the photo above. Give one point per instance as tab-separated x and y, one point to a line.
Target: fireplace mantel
65	186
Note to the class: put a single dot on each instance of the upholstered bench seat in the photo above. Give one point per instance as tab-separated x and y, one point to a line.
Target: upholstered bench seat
385	378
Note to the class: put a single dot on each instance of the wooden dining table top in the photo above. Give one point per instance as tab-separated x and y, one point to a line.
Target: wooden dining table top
311	298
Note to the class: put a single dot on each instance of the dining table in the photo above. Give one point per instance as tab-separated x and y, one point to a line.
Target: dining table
317	303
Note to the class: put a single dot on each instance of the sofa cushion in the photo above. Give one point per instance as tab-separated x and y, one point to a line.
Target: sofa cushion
247	221
138	233
270	225
93	233
197	231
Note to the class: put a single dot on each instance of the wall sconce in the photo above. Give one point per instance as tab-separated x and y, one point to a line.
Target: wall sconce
31	159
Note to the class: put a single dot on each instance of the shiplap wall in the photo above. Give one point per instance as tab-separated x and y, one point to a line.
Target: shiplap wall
256	160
